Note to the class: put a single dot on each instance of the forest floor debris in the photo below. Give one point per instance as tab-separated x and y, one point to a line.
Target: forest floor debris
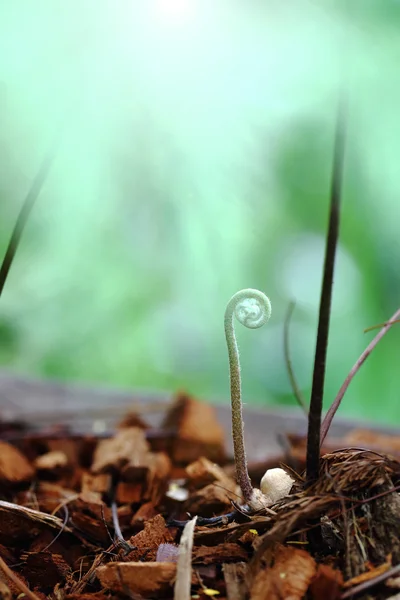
83	518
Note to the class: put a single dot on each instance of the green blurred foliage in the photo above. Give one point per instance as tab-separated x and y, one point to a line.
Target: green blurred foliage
196	160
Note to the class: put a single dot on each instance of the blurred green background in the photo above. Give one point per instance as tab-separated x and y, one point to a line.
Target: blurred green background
195	161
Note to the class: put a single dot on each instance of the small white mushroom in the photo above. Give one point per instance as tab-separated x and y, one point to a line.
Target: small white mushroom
276	484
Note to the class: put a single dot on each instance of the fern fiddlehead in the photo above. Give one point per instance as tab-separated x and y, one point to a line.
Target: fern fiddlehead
252	308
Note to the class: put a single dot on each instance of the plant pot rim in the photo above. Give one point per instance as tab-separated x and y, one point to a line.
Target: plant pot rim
89	408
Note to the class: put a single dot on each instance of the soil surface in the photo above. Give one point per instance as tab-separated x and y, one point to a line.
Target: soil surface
155	512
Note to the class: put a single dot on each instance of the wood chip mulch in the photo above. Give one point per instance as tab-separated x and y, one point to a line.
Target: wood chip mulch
151	513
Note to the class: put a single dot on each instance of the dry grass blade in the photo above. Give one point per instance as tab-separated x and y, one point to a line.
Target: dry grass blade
78	587
336	403
184	566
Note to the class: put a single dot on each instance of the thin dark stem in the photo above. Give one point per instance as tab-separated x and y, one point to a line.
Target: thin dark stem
288	361
336	403
26	209
208	521
314	419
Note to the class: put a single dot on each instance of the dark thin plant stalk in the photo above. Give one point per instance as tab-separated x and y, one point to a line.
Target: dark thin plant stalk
288	361
207	521
25	211
314	418
336	403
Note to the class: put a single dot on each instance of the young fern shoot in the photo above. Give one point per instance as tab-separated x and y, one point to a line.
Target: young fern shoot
252	309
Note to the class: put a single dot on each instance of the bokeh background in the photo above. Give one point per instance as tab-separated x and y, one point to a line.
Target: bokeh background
195	160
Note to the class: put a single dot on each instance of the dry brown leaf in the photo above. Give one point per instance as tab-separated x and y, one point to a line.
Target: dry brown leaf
222	553
146	542
202	472
198	432
99	484
211	500
327	583
371	574
51	461
137	577
128	449
14	467
288	578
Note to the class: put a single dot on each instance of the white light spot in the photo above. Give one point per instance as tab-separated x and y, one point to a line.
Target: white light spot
175	11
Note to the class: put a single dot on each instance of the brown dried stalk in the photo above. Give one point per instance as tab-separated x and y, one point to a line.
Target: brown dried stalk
336	403
365	585
289	367
380	325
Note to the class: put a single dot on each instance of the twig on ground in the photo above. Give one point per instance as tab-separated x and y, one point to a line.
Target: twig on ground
365	585
205	521
17	581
